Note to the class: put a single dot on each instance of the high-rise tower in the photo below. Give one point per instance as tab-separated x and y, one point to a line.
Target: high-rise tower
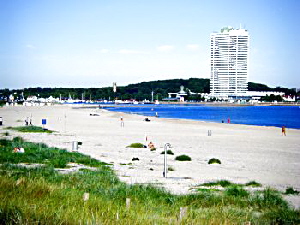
229	62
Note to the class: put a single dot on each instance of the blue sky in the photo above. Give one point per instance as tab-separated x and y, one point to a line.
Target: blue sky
93	43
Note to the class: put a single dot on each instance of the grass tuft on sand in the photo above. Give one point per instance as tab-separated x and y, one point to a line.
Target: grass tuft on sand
30	129
214	161
169	152
183	158
135	145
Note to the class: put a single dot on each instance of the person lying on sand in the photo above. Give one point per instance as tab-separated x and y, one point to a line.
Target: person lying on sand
151	145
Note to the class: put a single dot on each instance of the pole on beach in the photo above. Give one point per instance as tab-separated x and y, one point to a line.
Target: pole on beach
165	159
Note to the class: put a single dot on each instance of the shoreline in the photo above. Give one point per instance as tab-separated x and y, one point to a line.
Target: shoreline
247	152
192	119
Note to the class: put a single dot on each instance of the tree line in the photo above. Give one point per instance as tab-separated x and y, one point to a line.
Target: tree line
139	91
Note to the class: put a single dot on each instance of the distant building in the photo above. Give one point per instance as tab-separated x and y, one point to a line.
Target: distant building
229	62
178	96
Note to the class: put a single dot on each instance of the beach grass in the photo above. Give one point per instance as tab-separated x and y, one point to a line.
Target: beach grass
41	195
291	191
214	161
135	145
253	184
183	158
42	154
30	129
169	152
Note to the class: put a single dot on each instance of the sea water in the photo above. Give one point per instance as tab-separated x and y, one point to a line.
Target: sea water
288	116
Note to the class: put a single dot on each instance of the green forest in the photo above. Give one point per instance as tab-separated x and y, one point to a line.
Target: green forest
139	91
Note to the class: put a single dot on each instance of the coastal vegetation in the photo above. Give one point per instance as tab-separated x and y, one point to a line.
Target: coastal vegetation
291	191
214	161
183	158
30	129
42	195
135	145
139	91
169	152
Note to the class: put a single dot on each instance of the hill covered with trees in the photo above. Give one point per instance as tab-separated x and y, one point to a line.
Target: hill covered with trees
139	91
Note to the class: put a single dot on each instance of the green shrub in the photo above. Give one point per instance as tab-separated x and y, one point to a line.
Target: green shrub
171	168
291	191
169	152
253	184
136	145
214	161
183	158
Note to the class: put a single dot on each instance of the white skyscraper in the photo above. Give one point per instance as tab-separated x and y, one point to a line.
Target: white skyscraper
229	62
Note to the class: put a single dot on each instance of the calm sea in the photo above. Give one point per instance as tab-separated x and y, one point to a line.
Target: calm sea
278	116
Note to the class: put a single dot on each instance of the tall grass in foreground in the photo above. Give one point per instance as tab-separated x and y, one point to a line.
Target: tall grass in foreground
43	196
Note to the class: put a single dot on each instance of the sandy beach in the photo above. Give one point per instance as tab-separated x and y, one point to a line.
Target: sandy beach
247	152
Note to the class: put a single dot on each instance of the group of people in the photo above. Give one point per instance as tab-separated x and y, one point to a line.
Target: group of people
28	121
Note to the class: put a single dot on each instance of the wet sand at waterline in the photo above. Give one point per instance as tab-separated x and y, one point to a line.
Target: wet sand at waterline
247	152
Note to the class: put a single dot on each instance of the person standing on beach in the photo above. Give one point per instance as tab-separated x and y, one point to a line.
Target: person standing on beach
283	130
122	121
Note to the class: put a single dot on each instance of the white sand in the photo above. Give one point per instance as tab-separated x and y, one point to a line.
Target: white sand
247	152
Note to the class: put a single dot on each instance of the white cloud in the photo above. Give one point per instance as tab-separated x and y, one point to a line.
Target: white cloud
192	47
30	46
127	51
165	48
104	51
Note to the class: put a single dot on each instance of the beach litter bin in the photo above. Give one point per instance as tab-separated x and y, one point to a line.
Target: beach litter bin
74	146
209	133
1	121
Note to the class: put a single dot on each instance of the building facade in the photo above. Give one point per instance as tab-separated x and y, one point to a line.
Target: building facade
229	62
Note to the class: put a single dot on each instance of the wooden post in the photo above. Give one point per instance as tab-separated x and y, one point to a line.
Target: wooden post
127	203
183	211
86	196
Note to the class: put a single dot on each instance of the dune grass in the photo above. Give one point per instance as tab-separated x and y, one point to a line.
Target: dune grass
169	152
214	161
183	158
42	154
30	129
135	145
291	191
43	196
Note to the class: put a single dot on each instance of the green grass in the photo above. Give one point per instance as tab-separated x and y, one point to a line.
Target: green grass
169	152
222	183
214	161
135	145
43	196
183	158
236	190
41	153
30	129
253	184
291	191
